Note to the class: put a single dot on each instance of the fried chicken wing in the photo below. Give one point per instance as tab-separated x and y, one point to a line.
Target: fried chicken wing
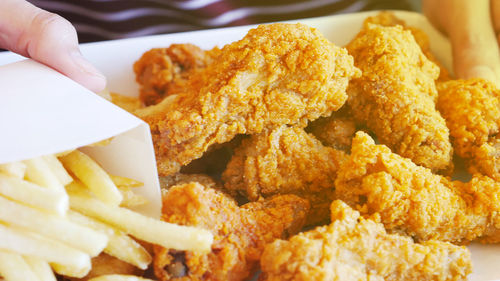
472	112
395	97
277	74
353	248
410	199
240	233
389	19
335	131
163	71
286	160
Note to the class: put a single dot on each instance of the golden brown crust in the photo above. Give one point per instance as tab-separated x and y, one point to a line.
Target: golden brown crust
286	160
389	19
240	233
163	71
353	248
277	74
396	96
410	199
472	112
335	131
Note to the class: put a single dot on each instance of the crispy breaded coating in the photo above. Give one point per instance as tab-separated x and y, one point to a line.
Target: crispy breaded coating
353	248
389	19
335	131
395	97
286	160
277	74
472	112
240	233
162	71
411	200
179	178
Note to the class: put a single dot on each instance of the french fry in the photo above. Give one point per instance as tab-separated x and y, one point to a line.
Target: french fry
34	195
58	169
145	228
14	169
41	268
130	199
120	245
118	277
93	176
39	172
71	271
125	182
14	268
52	226
31	244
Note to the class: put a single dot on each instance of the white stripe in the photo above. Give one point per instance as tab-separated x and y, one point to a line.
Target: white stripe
186	5
220	20
156	29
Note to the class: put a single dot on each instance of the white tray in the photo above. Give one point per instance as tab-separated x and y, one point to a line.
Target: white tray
115	59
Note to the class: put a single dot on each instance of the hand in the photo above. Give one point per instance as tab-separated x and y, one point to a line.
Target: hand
47	38
471	30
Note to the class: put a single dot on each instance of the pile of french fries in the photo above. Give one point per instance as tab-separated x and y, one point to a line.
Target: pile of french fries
59	211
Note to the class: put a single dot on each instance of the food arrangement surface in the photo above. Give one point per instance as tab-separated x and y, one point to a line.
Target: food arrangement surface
282	156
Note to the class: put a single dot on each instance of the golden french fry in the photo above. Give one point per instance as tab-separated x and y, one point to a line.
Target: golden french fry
41	268
70	270
14	169
39	172
145	228
101	143
130	199
34	195
58	169
93	176
31	244
125	182
127	103
14	268
118	277
52	226
120	245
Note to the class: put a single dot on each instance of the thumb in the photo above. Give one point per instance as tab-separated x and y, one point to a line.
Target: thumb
475	48
47	38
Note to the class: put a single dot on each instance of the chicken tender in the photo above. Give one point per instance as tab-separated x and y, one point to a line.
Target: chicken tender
411	200
472	112
240	233
335	131
163	71
389	19
286	160
277	74
396	95
353	248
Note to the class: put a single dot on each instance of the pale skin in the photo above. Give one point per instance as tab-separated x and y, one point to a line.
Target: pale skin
471	25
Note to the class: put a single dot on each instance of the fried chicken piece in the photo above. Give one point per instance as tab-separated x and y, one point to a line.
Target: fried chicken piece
335	131
389	19
286	160
472	112
413	201
129	104
178	179
395	97
240	233
163	71
354	248
277	74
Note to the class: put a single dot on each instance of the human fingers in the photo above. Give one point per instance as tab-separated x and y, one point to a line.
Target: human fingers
47	38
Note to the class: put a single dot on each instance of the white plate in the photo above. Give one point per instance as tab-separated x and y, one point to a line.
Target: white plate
115	59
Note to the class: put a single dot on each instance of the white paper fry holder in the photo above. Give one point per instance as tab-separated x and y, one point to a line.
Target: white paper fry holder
43	112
